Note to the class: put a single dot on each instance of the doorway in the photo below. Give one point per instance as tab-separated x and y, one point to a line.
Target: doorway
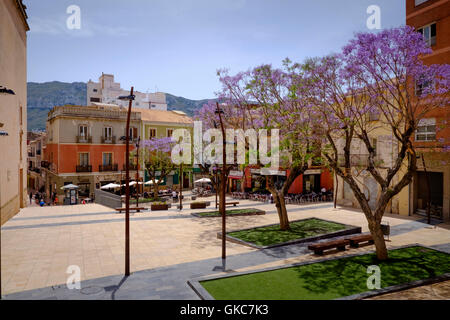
311	182
437	192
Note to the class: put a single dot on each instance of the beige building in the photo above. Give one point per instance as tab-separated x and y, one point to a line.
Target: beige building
36	148
108	91
13	107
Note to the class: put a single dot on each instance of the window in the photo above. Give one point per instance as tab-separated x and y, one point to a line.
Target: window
133	133
374	116
419	2
152	133
83	159
426	130
169	132
421	86
95	100
83	131
374	145
107	133
107	159
429	34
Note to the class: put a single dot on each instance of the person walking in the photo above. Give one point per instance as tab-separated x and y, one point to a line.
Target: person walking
31	197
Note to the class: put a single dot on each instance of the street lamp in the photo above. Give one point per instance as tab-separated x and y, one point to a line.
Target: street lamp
138	143
129	98
3	91
223	182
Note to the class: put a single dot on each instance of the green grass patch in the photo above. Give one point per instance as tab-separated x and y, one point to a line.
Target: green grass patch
233	212
333	278
271	235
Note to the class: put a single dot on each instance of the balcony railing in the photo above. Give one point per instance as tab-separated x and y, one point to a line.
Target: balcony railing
360	160
111	167
86	168
111	140
45	164
84	139
132	167
124	139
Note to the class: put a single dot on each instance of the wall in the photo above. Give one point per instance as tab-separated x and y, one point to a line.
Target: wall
13	75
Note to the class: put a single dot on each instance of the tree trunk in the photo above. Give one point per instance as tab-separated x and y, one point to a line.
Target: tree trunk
378	238
335	193
155	190
280	204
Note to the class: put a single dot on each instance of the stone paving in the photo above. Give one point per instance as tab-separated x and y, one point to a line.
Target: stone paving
167	249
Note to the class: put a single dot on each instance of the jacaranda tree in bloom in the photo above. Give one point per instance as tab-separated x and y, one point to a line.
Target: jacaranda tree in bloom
271	99
158	161
280	96
376	76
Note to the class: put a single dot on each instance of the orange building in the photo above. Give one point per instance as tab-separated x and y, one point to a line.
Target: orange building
432	139
86	147
313	179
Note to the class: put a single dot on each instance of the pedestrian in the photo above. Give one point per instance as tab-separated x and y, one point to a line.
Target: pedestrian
31	197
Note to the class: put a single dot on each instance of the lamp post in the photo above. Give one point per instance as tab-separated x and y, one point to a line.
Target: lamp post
181	186
129	98
137	171
223	183
3	91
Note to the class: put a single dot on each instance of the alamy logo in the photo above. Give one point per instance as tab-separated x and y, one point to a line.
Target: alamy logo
73	281
74	20
374	20
208	146
374	281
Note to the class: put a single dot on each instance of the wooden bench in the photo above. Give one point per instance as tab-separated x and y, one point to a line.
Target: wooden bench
234	203
356	240
318	248
131	209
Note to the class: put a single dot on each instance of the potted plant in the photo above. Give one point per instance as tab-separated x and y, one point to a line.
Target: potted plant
157	206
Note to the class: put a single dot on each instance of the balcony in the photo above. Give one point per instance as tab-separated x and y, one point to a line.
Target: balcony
109	140
86	168
132	167
360	160
45	164
111	167
84	139
124	139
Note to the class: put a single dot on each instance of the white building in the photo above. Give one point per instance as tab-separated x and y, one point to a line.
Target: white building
108	91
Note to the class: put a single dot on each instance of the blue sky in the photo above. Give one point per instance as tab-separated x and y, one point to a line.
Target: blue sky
176	46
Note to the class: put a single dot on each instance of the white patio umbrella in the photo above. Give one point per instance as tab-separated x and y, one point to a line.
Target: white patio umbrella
69	186
151	182
110	186
203	180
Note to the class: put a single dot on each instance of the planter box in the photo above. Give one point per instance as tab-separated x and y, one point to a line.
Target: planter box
200	205
159	207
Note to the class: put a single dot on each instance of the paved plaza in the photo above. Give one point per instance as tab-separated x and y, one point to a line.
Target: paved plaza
167	249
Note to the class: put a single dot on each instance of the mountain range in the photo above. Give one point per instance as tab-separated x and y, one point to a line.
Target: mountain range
42	97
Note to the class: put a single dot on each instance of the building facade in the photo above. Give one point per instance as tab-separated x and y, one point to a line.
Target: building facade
107	91
36	149
159	124
86	146
13	107
432	140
